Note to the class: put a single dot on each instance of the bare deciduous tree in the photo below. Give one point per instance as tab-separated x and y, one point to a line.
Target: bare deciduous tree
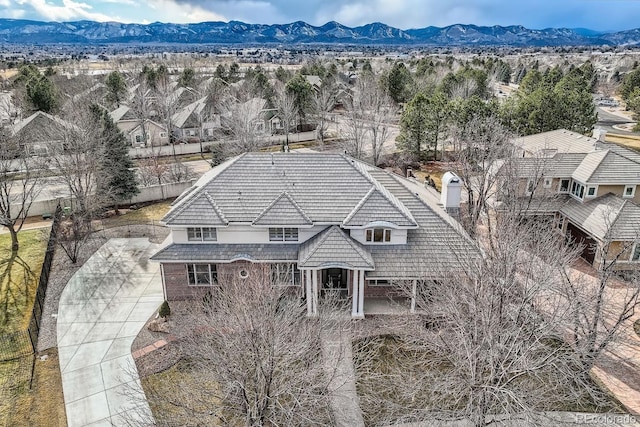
256	358
378	112
287	112
323	101
241	121
600	305
486	352
19	186
355	127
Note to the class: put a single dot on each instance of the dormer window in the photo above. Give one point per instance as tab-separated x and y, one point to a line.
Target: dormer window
629	191
283	234
201	234
378	235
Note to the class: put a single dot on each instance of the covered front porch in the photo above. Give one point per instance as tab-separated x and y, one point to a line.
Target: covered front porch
351	285
334	263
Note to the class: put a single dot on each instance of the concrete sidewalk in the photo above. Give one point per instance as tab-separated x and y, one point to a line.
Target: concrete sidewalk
338	364
102	309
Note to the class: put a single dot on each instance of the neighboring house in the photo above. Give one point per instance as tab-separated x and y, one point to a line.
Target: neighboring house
254	114
195	121
183	96
131	127
314	81
41	134
594	189
320	222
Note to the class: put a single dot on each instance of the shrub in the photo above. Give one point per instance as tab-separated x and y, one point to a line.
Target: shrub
164	311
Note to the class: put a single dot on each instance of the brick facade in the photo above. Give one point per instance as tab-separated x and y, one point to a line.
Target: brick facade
177	285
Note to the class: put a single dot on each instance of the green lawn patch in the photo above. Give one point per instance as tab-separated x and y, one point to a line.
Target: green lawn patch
19	276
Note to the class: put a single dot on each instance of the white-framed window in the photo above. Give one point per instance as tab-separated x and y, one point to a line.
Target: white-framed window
577	190
285	274
378	235
378	282
201	234
163	134
283	234
202	274
547	182
591	191
138	138
635	254
629	191
564	186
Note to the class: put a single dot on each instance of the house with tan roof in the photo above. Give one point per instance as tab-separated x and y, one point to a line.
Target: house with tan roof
41	134
319	222
139	133
195	121
590	186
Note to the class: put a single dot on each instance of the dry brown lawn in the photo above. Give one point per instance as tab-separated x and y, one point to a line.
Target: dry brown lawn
43	404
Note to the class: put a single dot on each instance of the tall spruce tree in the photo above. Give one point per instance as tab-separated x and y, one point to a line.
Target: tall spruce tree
116	177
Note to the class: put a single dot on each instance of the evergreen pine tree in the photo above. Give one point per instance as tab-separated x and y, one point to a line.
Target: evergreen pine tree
116	178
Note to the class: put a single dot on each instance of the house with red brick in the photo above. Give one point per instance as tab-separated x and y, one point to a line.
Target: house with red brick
317	222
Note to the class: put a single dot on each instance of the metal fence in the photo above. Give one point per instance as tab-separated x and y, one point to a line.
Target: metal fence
23	343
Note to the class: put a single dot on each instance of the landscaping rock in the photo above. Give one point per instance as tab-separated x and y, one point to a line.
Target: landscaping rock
158	325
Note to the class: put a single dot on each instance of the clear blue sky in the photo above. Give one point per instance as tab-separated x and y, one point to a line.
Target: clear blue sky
537	14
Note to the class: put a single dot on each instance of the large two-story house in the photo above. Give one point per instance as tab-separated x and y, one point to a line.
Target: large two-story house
590	186
318	222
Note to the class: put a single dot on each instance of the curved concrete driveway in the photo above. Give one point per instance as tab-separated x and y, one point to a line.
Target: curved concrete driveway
102	309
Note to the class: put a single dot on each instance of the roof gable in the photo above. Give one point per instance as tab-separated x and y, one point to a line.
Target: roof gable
374	206
201	210
589	164
332	247
283	211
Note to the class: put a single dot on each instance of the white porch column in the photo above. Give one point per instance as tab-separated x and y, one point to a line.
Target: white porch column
314	292
414	290
354	293
308	294
361	294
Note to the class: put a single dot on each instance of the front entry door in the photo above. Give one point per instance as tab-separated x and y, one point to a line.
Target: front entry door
335	279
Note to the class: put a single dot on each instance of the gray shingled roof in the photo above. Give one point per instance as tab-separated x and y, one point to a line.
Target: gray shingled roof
180	118
200	210
559	166
582	158
588	166
226	252
606	217
121	113
373	207
283	211
561	140
619	166
331	248
437	245
326	187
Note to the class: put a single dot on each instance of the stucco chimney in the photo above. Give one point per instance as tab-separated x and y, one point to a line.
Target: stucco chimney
600	135
451	193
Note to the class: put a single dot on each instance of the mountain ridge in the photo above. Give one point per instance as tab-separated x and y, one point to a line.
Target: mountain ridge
236	32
